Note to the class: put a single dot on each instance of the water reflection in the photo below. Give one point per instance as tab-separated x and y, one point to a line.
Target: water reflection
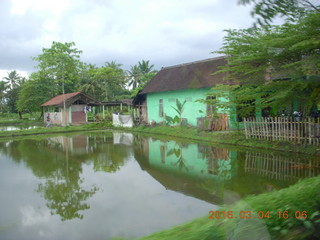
134	185
58	160
220	175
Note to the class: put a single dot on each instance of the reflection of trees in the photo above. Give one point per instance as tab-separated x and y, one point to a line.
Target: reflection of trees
61	169
66	197
112	159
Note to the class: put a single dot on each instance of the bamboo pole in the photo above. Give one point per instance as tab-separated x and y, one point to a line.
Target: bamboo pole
245	127
310	130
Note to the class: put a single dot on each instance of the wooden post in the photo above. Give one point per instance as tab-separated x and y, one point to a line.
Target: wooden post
245	127
310	127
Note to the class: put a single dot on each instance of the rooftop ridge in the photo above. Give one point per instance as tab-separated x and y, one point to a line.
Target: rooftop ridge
195	62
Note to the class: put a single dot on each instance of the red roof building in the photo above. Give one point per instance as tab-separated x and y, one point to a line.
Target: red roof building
70	108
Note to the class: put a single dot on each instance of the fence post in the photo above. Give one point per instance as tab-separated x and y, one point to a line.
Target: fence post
310	138
245	127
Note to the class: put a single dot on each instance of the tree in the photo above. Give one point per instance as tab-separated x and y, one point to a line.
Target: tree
13	79
3	88
140	74
267	10
33	93
60	63
276	64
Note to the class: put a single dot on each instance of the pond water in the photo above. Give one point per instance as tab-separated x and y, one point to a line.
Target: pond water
109	184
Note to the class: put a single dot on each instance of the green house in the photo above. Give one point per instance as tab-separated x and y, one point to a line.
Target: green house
186	82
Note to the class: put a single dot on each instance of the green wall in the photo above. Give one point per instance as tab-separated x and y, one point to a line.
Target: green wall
191	108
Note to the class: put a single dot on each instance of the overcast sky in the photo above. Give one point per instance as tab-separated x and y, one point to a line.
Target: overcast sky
166	32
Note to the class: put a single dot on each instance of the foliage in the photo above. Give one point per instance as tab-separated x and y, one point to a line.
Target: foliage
268	10
10	88
103	83
179	108
60	64
28	101
140	74
277	64
13	79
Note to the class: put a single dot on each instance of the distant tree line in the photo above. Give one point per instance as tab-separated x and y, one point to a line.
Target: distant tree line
60	70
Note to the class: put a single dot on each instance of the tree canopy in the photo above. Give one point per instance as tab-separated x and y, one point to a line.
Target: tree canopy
277	64
266	11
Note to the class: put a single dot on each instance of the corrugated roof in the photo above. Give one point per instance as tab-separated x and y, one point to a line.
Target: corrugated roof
69	98
188	76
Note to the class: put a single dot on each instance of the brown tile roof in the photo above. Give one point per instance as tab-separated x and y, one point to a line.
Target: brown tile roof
69	99
186	76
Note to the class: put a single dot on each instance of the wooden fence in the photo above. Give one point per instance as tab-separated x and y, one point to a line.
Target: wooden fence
284	129
218	123
281	167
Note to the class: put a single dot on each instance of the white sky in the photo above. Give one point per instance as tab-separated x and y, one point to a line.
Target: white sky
166	32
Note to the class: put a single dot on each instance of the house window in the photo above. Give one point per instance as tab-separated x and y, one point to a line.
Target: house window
160	107
210	105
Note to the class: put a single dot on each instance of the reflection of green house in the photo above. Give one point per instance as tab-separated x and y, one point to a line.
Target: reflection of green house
187	168
191	160
186	82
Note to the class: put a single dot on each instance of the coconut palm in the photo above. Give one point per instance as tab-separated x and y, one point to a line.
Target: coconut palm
12	79
138	72
145	67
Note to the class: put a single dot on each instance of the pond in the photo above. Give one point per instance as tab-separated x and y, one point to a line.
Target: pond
110	184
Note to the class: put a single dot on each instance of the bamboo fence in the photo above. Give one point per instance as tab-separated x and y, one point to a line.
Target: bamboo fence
280	167
303	131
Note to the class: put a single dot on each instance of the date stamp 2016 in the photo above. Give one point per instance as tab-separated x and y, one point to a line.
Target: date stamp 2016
259	214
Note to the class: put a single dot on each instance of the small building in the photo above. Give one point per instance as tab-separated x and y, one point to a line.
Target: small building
70	108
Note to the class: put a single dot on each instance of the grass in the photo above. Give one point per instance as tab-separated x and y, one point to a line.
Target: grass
227	137
303	196
236	138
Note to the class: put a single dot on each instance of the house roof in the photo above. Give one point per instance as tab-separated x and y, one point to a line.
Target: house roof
188	76
69	98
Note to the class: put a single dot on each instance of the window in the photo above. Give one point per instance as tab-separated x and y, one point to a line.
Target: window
160	107
210	106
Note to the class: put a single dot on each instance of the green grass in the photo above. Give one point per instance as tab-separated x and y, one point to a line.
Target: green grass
226	137
303	196
236	138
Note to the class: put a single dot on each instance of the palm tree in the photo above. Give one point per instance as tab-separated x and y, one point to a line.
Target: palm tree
13	79
113	64
145	67
137	73
134	75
